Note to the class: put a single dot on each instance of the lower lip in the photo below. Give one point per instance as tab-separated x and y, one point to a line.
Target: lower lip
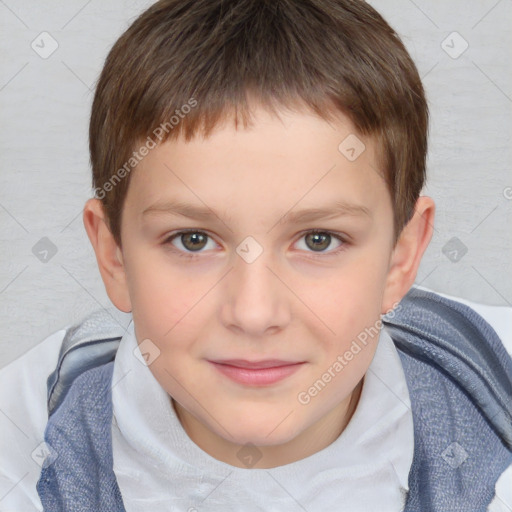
257	377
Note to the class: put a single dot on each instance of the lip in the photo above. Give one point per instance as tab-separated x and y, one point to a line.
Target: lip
257	365
256	373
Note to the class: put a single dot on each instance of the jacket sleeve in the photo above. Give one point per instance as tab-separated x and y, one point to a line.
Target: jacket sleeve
23	417
500	319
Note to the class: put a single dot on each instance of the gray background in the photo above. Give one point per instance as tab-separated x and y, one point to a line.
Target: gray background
44	163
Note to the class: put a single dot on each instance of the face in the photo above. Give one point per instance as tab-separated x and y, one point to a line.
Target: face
258	244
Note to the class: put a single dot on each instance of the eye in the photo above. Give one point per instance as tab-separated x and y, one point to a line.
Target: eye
317	241
191	242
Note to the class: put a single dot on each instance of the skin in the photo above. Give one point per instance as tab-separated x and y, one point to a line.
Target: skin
296	301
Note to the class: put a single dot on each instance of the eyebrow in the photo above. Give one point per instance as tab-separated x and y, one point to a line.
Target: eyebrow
337	209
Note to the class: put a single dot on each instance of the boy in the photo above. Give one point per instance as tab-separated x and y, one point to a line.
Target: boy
256	374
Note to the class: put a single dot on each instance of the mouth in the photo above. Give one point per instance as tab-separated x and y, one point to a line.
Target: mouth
257	373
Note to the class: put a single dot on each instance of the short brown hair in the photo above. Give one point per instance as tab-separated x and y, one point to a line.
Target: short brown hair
331	55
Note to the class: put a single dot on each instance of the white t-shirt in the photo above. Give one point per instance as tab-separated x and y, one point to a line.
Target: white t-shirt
158	467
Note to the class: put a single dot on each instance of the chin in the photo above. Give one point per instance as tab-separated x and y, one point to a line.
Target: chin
259	439
263	433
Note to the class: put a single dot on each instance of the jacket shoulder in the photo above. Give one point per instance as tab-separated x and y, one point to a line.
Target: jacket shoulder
90	343
455	340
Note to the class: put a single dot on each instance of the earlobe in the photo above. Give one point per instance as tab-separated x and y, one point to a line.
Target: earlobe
108	255
408	251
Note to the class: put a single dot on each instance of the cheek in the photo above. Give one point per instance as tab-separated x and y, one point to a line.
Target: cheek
162	296
166	310
349	308
353	295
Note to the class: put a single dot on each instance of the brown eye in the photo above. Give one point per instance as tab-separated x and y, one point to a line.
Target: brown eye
191	242
194	241
318	241
321	243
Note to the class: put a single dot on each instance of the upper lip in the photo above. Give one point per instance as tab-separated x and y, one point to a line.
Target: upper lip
268	363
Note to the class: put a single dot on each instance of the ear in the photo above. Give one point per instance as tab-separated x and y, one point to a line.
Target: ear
408	251
108	255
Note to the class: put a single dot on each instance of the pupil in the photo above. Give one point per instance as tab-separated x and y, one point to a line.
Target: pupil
193	241
319	237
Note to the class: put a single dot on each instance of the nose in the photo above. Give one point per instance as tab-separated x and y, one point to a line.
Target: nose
256	300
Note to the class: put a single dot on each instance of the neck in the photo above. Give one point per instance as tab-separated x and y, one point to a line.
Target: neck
312	440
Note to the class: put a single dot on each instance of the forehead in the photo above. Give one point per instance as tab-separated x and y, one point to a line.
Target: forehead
295	158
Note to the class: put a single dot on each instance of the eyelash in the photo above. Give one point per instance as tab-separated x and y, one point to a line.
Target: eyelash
191	255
